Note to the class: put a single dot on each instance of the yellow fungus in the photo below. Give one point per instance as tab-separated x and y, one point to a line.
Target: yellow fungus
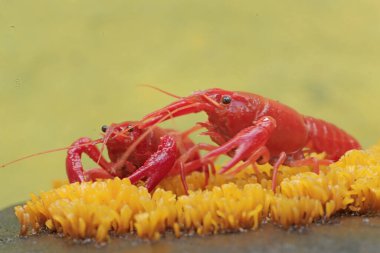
244	201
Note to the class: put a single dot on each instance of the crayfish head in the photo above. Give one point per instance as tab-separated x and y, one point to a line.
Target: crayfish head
123	133
212	101
235	110
118	138
228	111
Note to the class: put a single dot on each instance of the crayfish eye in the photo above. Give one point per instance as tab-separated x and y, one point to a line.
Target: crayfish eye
226	100
130	129
104	128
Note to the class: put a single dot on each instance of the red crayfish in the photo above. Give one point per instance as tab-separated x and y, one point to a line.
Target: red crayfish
136	153
251	128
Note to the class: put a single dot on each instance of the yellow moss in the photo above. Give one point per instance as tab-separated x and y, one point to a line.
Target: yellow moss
227	203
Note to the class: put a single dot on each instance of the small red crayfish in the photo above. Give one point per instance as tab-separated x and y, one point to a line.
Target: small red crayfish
136	153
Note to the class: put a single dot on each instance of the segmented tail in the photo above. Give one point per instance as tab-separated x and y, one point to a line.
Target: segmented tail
326	137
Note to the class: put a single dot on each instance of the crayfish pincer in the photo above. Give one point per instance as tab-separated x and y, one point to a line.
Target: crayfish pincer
252	128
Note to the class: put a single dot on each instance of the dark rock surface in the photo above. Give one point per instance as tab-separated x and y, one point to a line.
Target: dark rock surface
344	234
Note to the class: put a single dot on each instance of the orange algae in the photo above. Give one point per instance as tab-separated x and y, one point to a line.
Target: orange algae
244	201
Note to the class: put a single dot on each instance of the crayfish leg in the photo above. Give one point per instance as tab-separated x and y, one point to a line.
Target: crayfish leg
186	168
312	162
183	178
262	152
280	161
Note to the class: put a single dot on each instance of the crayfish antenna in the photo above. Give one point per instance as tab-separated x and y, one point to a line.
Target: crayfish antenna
45	152
159	90
106	137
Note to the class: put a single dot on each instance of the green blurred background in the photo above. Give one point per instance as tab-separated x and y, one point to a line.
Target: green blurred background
68	67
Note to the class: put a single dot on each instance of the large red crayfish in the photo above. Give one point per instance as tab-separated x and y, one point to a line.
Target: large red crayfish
251	128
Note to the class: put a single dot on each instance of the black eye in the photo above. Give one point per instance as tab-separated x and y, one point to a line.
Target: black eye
104	128
226	100
130	128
